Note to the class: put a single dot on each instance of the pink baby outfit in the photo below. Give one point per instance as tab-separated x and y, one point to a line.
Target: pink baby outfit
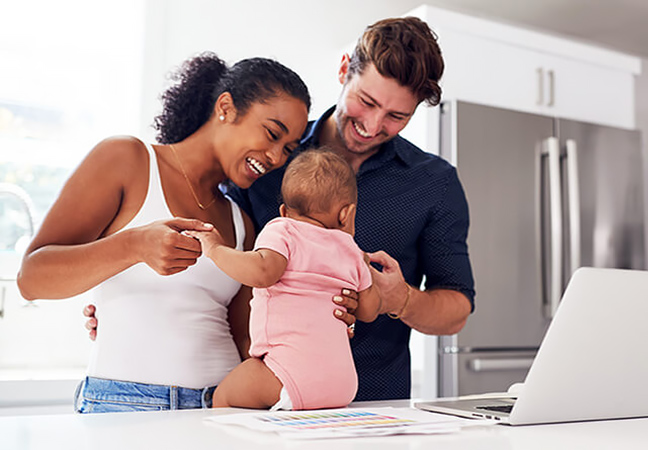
292	326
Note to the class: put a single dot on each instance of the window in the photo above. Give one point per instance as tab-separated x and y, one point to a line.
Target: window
69	76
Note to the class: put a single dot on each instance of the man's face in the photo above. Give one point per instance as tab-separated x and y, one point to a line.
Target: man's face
372	109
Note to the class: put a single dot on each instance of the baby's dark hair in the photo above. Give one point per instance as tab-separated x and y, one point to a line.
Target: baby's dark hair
317	180
189	103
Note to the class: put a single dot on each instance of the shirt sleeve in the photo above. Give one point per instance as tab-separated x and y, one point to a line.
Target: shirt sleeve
364	277
274	236
364	274
444	248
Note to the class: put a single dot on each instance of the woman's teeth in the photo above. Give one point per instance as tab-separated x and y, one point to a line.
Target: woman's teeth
360	131
256	166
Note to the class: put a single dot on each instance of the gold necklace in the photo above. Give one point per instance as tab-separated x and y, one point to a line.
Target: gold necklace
200	205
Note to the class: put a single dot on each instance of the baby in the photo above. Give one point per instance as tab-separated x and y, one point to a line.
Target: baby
300	353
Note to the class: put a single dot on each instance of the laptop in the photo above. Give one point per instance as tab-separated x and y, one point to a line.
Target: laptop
592	363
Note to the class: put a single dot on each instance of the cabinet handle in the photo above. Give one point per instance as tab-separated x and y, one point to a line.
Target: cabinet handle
552	78
540	78
489	365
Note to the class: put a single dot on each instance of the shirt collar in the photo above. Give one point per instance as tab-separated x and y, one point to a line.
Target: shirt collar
394	148
311	138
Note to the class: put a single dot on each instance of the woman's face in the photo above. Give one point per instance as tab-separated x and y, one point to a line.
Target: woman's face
262	139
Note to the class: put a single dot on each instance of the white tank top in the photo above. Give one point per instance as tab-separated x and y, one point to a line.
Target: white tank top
169	330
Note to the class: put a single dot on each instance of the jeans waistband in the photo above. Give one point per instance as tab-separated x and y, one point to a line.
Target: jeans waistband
171	397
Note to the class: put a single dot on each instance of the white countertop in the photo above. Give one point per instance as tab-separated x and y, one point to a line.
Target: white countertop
186	430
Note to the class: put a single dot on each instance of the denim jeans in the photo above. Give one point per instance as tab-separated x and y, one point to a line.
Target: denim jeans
98	395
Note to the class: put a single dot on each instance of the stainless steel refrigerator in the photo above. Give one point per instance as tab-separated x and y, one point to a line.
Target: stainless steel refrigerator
546	196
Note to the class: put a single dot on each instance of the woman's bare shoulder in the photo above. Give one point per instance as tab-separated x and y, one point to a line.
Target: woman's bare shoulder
121	146
125	155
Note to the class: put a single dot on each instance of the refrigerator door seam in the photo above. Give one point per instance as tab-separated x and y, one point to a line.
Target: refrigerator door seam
574	204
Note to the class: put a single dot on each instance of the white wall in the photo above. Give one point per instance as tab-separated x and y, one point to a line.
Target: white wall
306	35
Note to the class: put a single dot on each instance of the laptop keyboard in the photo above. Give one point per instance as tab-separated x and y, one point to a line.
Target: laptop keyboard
499	408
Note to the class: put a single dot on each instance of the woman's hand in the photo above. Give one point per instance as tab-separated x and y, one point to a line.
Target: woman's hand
348	301
92	322
208	239
166	248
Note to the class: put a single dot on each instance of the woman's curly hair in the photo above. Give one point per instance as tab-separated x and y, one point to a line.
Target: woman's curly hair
198	83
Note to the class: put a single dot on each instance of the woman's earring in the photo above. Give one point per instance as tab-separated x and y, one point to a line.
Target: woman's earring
221	118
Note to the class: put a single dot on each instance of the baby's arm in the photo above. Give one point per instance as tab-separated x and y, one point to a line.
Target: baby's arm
258	268
369	300
369	303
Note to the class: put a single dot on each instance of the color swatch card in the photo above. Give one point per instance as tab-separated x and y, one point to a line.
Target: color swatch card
346	422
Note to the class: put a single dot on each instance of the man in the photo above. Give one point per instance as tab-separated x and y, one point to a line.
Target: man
410	203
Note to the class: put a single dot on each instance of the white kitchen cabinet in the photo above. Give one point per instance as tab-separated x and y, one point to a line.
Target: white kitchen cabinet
510	67
510	76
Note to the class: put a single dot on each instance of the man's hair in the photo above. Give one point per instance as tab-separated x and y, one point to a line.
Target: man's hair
318	180
406	50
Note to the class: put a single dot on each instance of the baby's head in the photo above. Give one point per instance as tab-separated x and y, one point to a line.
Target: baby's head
320	185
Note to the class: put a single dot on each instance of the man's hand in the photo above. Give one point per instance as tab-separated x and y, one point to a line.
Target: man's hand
390	282
92	323
433	311
348	302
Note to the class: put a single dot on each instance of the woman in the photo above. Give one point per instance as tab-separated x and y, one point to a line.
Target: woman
118	226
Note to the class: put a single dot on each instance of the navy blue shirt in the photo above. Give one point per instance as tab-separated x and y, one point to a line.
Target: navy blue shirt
411	205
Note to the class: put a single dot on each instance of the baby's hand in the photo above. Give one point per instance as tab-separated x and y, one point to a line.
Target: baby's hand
208	239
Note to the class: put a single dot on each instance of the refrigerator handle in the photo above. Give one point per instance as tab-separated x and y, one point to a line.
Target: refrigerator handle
574	204
491	365
551	149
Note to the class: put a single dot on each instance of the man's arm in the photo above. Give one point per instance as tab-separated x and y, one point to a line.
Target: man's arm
434	311
443	258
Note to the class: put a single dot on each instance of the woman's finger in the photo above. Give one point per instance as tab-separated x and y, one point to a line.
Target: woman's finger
347	299
89	311
345	317
91	324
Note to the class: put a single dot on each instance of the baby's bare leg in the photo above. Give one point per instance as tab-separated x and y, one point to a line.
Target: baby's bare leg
250	385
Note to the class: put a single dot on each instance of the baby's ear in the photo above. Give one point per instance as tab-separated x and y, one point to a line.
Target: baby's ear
282	210
346	218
